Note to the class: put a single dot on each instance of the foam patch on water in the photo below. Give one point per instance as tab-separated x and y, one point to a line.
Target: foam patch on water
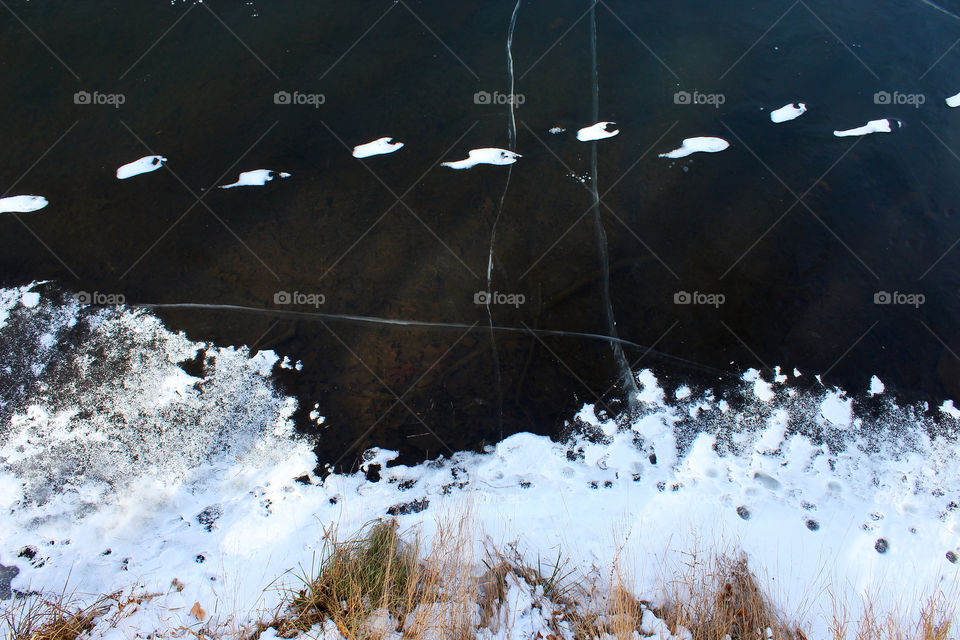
787	112
22	204
137	167
598	131
121	471
256	178
378	147
488	155
695	145
884	125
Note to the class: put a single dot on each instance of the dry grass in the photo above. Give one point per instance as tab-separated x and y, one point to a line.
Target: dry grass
555	580
441	593
720	598
30	617
934	622
448	606
377	572
373	571
624	612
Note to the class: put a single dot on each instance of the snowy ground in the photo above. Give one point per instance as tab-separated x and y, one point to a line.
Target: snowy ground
119	471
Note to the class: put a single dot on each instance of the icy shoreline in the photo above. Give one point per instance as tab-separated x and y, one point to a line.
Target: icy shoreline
802	483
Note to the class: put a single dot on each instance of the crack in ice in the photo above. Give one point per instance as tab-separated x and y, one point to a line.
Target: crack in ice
344	317
512	146
629	384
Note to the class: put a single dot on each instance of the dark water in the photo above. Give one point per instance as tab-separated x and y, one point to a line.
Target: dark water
799	280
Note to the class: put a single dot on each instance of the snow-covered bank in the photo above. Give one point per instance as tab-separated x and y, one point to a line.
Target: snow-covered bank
119	470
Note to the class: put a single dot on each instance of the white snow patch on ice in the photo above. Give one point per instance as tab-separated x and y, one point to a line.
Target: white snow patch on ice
650	391
837	409
883	125
378	147
598	131
143	165
694	145
588	416
263	361
488	155
30	299
876	386
788	112
948	408
762	389
22	204
256	178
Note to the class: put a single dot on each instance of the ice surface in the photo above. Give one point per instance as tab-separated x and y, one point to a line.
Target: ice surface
884	125
788	112
597	131
256	178
22	204
143	165
378	147
954	101
486	155
876	386
694	145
